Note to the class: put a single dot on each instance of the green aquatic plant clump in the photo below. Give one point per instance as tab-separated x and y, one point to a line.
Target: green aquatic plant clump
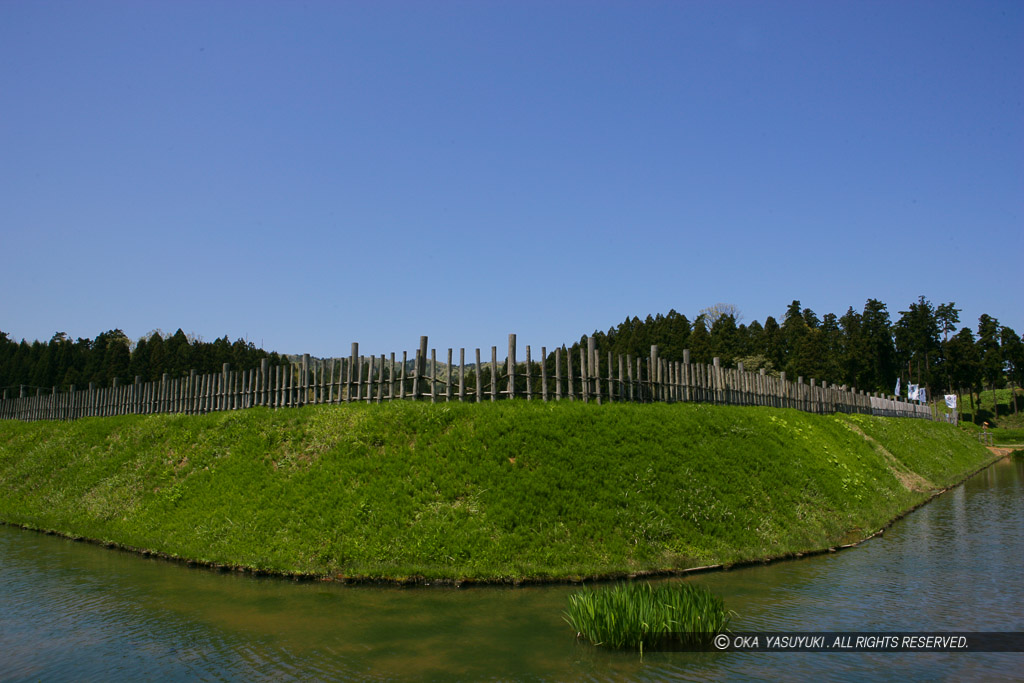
640	615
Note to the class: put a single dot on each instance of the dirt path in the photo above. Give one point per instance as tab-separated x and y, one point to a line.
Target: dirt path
911	481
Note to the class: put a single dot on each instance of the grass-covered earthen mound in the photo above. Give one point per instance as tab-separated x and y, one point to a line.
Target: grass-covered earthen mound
506	491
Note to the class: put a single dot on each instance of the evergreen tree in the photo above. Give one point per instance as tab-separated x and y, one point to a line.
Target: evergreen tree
917	341
964	362
1013	355
755	340
794	330
948	317
833	350
81	351
808	358
140	360
700	342
810	319
21	365
677	336
850	328
63	352
117	357
874	354
991	354
160	361
773	348
743	344
179	356
724	340
42	370
95	370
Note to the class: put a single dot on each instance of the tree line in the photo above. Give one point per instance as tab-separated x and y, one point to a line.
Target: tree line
864	349
62	362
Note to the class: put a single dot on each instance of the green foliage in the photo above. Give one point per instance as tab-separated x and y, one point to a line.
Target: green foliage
639	615
1007	437
863	350
988	347
1002	408
500	491
61	363
917	341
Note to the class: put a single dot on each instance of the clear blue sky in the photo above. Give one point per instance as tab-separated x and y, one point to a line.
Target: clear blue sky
306	175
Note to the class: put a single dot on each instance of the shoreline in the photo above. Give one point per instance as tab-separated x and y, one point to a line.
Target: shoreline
456	484
424	582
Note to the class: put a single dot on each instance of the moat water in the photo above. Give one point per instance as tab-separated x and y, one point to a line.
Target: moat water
74	611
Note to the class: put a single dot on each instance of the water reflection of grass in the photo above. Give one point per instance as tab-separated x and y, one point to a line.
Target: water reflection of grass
501	492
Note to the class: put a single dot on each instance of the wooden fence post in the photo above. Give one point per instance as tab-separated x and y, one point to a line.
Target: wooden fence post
433	375
494	373
351	376
448	379
652	371
622	386
568	363
529	374
419	370
558	374
544	373
462	374
593	366
584	375
511	366
401	385
479	379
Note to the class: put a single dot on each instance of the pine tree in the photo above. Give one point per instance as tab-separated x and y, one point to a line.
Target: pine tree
873	353
964	362
724	340
159	360
948	317
917	341
1013	356
794	330
773	348
117	357
991	354
179	356
140	359
700	342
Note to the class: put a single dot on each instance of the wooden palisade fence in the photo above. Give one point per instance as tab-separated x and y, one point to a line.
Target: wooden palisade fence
374	379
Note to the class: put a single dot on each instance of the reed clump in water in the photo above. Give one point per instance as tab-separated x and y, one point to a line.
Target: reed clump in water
639	615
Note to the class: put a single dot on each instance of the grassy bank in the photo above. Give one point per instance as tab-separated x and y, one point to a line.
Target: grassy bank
504	491
995	407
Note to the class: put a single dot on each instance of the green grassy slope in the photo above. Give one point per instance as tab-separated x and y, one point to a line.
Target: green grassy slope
503	491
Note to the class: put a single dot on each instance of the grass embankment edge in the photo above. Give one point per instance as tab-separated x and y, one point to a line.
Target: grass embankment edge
505	493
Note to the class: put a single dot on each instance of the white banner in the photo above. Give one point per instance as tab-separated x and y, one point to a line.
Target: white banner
951	401
911	392
897	387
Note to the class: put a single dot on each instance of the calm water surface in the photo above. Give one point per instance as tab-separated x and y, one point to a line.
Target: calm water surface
76	611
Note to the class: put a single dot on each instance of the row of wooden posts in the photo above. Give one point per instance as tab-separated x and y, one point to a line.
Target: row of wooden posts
375	379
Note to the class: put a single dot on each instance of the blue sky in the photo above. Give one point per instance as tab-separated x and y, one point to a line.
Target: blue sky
306	175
